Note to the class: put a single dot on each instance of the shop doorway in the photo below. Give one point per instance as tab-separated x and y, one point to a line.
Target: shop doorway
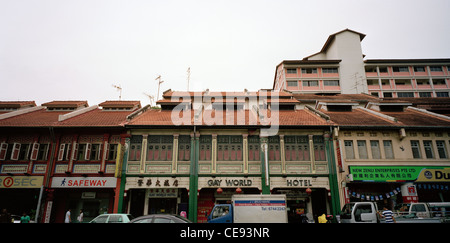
137	198
319	202
162	205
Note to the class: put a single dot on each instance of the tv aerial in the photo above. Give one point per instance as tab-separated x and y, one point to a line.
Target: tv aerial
118	89
151	97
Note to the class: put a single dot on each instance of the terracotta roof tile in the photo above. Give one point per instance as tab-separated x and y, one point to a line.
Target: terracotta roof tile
299	118
96	118
410	117
358	117
39	118
154	117
230	118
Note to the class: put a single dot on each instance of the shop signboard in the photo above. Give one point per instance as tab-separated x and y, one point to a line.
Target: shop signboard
299	182
163	193
229	182
400	173
84	182
21	181
156	182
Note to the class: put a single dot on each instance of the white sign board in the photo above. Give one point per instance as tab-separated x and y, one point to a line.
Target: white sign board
299	182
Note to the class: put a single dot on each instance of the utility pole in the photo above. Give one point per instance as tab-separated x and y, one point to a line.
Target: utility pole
159	84
188	77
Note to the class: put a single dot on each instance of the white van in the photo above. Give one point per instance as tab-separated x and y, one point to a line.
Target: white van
359	212
424	210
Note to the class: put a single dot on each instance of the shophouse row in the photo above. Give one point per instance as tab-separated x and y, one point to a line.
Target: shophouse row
200	148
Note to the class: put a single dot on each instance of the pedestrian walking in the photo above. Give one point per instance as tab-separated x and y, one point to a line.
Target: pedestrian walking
68	219
80	217
25	219
388	215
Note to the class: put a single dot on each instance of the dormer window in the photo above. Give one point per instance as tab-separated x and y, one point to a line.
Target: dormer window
65	105
392	108
339	107
117	109
60	108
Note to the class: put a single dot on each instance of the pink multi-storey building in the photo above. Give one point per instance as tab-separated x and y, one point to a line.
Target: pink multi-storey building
340	68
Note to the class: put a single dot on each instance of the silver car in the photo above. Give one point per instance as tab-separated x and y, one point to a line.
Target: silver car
113	218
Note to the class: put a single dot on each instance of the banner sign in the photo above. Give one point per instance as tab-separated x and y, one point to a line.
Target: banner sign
400	173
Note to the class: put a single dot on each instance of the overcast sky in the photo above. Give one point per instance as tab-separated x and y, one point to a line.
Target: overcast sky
76	50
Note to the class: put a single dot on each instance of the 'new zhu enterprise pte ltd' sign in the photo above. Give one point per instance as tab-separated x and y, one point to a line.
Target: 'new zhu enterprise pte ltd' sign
400	173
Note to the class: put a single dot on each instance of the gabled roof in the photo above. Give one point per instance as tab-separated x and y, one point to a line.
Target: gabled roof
78	115
331	39
332	36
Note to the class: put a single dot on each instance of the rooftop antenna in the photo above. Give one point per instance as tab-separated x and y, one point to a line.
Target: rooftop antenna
151	97
118	89
188	77
159	84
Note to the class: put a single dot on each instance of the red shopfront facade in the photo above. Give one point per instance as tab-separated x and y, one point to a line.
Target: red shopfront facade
95	195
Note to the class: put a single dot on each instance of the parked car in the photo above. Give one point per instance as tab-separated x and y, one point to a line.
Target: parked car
160	218
112	218
367	212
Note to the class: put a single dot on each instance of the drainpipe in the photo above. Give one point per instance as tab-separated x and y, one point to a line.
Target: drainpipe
265	180
121	174
334	189
193	177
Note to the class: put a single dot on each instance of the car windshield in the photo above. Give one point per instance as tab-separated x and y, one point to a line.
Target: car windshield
100	219
347	209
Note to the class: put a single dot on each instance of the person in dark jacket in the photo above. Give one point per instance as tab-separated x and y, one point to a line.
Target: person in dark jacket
5	217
